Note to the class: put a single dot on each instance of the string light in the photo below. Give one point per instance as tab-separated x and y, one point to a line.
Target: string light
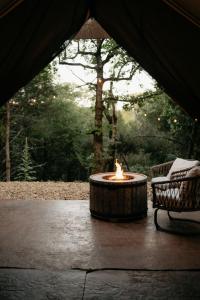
13	102
32	101
174	120
100	80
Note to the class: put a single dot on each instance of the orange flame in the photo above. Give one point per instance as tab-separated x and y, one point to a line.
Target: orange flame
119	173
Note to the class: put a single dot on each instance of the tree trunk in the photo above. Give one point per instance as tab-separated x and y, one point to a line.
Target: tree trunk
192	140
98	134
112	120
114	131
7	142
112	138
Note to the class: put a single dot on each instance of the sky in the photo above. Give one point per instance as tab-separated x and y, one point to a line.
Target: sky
141	81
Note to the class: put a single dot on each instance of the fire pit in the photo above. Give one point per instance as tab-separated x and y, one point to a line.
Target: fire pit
118	199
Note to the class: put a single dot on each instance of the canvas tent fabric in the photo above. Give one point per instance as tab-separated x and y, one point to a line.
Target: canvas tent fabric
163	36
188	8
31	34
164	42
7	5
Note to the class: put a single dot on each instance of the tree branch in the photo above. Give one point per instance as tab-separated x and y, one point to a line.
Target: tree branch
65	56
85	83
78	65
130	99
86	53
132	72
110	55
79	51
150	95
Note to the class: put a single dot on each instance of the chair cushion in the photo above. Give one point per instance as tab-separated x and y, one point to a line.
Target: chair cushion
181	164
159	179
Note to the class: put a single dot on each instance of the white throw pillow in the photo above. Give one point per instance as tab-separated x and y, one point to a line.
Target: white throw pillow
181	164
160	181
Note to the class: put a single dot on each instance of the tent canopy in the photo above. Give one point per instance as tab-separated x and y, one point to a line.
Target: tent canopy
162	35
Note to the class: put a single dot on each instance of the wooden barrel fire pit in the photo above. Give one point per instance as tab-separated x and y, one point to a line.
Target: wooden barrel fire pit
118	200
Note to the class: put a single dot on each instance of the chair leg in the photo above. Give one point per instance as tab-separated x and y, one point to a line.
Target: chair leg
158	227
156	219
170	217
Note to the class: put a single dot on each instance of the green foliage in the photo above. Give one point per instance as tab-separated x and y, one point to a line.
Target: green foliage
56	128
62	140
152	130
25	170
155	132
26	107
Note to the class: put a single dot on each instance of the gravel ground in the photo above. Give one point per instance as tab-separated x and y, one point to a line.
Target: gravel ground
19	190
44	190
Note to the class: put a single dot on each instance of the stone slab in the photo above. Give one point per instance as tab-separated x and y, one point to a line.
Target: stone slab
143	285
41	285
60	235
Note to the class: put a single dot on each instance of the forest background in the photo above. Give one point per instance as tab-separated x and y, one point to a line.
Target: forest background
64	132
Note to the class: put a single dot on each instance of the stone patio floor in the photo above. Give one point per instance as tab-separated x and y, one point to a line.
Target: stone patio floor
56	250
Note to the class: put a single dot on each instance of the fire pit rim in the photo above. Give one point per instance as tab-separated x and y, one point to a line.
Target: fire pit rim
134	178
111	177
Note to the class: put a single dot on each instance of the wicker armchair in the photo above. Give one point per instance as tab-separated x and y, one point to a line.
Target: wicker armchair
180	193
161	169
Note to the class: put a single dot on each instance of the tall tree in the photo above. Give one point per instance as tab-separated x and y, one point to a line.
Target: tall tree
62	145
7	141
96	55
25	170
25	108
111	116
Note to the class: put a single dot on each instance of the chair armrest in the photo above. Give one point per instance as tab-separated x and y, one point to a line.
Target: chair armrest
161	169
163	185
170	183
